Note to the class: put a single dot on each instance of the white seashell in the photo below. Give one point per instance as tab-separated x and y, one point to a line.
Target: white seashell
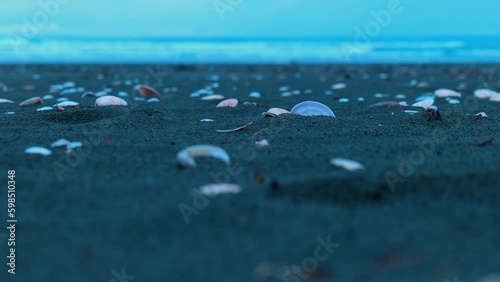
67	104
68	91
110	101
481	114
443	93
495	98
255	95
68	84
212	97
206	120
346	164
328	92
62	99
262	143
343	100
400	96
153	100
424	103
48	97
139	99
339	86
411	112
283	88
10	113
454	101
220	188
5	101
44	109
60	143
484	93
122	94
74	145
312	108
186	156
38	151
361	99
380	95
286	94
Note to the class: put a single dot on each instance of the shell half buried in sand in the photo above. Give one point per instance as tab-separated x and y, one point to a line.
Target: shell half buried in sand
346	164
484	93
228	103
424	103
31	102
272	112
5	101
220	188
443	93
110	101
312	108
148	92
186	156
235	129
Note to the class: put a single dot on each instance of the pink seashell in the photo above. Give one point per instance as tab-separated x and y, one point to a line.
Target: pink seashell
110	101
484	93
228	103
212	97
275	112
312	108
220	188
424	103
148	92
5	101
443	93
31	101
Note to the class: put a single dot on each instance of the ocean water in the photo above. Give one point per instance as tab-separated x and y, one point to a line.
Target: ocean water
17	49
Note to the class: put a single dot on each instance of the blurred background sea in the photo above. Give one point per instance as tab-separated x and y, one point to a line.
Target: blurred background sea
17	49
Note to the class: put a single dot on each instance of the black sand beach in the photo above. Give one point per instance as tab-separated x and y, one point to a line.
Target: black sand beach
425	208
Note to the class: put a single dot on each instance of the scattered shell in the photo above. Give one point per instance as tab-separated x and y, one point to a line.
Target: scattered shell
262	143
60	109
101	93
44	109
339	86
62	99
139	99
283	88
10	113
68	84
153	100
361	99
312	108
228	103
38	151
28	87
219	188
286	94
454	101
5	101
482	114
48	97
31	101
272	112
60	143
495	98
255	95
423	84
346	164
386	104
424	103
380	95
412	112
400	96
186	156
442	93
344	100
74	145
110	101
67	104
328	92
235	129
206	120
122	94
484	93
212	97
148	92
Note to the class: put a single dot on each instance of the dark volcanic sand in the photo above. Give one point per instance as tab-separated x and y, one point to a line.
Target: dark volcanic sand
116	203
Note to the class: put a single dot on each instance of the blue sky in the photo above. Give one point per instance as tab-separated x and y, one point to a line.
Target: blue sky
249	18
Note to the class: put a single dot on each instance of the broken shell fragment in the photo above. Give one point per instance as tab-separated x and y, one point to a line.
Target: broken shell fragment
484	93
424	103
228	103
60	109
481	115
186	156
148	92
38	151
312	108
346	164
110	101
262	143
31	101
5	101
212	97
220	188
234	129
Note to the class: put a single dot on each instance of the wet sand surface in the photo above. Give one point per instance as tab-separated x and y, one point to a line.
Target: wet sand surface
425	208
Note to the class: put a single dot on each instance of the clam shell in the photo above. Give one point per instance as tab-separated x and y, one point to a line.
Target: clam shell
312	108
